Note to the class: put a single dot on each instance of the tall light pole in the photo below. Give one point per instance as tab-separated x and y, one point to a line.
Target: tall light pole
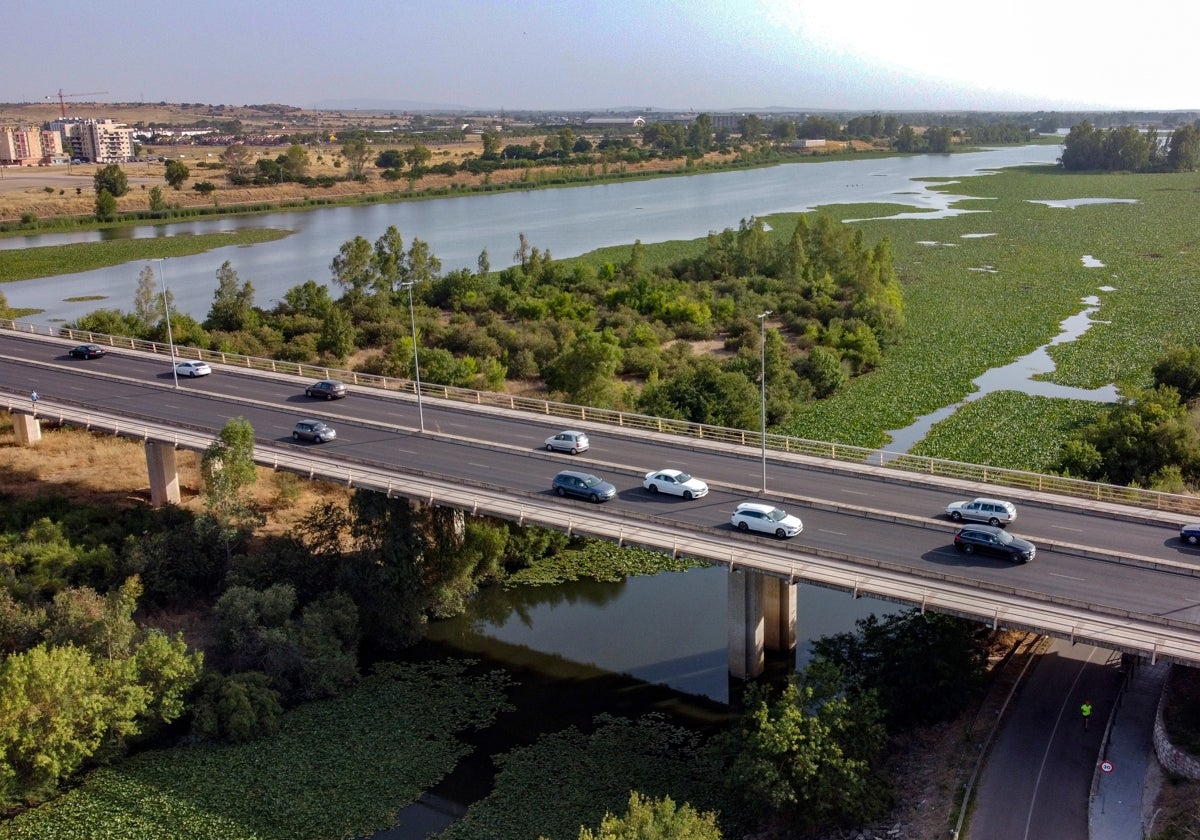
167	314
762	320
416	358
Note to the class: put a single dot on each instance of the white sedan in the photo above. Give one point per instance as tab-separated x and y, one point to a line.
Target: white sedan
676	483
192	368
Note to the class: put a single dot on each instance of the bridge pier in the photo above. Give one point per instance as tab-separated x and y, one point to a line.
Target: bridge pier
762	616
164	475
27	427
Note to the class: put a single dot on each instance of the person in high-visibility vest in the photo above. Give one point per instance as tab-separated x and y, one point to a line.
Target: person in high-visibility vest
1086	711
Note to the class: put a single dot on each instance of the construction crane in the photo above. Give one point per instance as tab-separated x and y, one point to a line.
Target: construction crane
62	97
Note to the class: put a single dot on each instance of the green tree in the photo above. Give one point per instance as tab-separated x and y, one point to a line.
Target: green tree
228	471
700	133
417	156
204	187
585	371
337	334
938	137
238	161
907	140
111	178
354	267
148	300
157	202
295	162
106	206
491	144
389	159
1183	149
751	128
655	819
176	173
239	707
233	303
806	754
356	152
1179	368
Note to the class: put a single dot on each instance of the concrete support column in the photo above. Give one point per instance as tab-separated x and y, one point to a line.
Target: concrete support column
27	427
164	476
746	625
780	603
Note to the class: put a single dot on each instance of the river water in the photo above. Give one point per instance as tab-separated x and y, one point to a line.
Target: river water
567	222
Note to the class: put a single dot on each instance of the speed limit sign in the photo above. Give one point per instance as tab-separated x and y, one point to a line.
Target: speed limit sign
1106	766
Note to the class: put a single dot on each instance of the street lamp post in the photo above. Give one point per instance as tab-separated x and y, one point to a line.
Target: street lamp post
416	359
762	320
167	314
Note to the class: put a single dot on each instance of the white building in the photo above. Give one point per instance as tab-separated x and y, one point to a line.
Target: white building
100	141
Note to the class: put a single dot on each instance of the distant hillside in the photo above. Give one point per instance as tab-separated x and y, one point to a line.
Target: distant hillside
385	105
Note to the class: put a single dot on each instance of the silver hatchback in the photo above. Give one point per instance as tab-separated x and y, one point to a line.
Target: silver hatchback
568	441
314	430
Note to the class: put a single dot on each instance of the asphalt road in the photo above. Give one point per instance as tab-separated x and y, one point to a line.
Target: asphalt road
503	449
1038	776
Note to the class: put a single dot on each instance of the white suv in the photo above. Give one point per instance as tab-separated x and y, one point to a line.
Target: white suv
991	511
754	516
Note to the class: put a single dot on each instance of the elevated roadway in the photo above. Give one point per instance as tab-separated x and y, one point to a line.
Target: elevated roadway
1106	574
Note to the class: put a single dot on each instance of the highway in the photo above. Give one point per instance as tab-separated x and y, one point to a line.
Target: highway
1102	557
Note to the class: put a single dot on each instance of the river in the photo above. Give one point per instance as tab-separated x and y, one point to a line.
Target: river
567	222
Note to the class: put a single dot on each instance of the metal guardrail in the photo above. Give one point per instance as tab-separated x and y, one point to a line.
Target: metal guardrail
1141	633
901	463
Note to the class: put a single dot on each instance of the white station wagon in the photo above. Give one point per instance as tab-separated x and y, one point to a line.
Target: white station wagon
991	511
767	519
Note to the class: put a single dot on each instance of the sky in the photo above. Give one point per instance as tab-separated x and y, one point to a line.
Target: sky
572	55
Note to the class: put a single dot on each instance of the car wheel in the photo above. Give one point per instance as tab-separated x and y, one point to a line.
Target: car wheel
994	522
779	532
743	527
687	494
295	436
956	516
1192	539
574	451
328	397
968	548
653	488
560	491
192	374
549	447
594	498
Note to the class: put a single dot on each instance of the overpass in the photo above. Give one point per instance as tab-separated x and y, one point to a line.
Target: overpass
1107	574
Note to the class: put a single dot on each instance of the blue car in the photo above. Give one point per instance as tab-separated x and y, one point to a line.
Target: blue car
583	485
1190	533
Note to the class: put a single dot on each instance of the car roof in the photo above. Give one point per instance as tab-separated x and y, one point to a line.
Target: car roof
759	506
991	501
986	529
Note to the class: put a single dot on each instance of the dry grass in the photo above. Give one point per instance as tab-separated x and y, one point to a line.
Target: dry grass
100	469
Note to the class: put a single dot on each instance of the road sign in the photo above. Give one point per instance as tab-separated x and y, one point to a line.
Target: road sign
1106	766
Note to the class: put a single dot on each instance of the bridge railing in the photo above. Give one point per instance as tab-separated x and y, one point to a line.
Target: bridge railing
1095	491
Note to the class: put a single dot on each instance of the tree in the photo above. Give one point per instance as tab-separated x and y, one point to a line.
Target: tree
106	206
1183	149
294	162
806	753
655	819
204	187
1180	369
390	159
586	370
337	334
238	160
937	138
157	202
751	128
233	304
700	133
491	144
227	468
176	173
147	299
357	153
417	156
354	267
112	179
906	139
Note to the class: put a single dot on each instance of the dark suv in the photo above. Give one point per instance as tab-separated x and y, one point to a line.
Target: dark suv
989	539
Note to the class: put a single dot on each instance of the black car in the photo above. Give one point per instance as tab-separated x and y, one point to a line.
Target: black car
326	389
86	351
989	539
1190	533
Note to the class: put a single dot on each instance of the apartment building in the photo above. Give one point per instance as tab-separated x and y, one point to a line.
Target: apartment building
100	141
28	145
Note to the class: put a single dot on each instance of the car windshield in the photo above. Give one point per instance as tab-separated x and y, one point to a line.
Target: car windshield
1003	537
777	515
590	481
683	478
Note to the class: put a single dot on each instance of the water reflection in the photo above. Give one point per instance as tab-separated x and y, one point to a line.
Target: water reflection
668	629
1021	376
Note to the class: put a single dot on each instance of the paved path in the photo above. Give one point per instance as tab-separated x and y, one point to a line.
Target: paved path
1038	776
1116	807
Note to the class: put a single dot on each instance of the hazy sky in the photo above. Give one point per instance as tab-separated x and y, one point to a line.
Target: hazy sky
575	55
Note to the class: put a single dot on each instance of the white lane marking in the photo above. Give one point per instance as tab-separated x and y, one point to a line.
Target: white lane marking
856	492
1068	577
827	531
1065	528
